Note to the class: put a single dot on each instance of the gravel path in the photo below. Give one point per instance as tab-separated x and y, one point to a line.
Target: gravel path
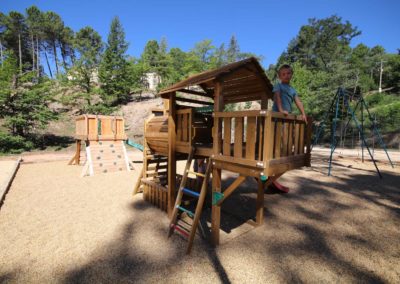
57	227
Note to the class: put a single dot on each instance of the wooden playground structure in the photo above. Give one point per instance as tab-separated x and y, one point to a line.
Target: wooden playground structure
104	138
252	143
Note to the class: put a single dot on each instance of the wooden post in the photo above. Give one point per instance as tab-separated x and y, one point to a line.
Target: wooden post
260	203
264	101
216	176
171	153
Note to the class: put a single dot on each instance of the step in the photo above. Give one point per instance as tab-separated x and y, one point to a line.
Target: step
197	174
190	192
180	230
190	213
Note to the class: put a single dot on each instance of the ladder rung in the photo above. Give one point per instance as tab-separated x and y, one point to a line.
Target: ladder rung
190	192
197	174
190	213
180	230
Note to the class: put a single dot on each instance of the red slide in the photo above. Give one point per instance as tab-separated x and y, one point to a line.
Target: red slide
280	187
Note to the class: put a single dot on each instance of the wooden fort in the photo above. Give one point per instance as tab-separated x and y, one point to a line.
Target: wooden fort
252	143
103	137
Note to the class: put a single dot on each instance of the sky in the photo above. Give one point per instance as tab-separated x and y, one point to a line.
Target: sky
262	27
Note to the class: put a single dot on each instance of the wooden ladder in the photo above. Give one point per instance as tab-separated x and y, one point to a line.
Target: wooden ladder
176	224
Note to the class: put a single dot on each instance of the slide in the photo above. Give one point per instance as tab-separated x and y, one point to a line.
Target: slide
134	145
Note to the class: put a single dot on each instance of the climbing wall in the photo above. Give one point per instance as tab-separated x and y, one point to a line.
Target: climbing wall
106	156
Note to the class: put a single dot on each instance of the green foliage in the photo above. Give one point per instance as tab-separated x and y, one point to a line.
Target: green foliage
113	73
13	144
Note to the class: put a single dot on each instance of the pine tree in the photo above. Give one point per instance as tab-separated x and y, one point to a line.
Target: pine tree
113	73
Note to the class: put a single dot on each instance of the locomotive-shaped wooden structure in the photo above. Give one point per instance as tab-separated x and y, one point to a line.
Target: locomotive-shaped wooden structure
253	143
103	138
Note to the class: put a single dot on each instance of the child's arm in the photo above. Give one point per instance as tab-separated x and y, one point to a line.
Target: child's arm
299	105
277	98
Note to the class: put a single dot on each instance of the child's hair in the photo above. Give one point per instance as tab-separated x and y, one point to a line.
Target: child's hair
285	66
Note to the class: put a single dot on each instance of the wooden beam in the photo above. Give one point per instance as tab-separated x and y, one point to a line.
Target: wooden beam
234	185
171	153
216	176
194	101
193	92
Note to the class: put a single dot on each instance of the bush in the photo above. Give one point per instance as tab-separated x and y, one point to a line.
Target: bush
14	144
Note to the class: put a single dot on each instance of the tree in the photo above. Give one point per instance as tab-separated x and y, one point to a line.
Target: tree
24	105
320	43
233	51
113	69
53	27
89	46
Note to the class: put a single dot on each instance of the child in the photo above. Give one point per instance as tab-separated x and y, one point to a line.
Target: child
284	95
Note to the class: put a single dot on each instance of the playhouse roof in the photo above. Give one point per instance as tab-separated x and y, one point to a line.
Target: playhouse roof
242	81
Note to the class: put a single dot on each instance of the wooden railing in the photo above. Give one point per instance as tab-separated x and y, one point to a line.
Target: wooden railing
261	141
99	127
184	127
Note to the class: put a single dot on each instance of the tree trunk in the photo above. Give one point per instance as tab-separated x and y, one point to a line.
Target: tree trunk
55	56
48	64
20	53
33	53
38	57
63	57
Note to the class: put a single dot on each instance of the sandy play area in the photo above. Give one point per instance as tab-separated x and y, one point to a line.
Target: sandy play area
56	227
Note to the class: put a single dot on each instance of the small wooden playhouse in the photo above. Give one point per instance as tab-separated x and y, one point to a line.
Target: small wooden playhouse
252	143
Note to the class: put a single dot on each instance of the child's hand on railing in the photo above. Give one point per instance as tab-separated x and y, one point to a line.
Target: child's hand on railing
304	117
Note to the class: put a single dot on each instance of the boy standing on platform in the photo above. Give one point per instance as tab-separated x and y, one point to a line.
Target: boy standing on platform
284	95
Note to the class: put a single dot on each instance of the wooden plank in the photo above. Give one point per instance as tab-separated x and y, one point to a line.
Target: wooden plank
185	122
280	115
216	174
171	154
199	102
227	136
179	127
301	139
296	138
278	139
287	163
238	144
240	169
232	187
193	92
269	135
260	203
244	113
239	161
285	135
251	133
290	140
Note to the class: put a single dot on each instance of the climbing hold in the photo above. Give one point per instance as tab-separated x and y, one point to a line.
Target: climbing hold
115	163
119	156
111	145
101	164
113	151
98	157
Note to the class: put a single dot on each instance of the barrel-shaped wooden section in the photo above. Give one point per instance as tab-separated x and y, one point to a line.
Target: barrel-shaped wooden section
156	134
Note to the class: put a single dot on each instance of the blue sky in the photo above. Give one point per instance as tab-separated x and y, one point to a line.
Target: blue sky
262	27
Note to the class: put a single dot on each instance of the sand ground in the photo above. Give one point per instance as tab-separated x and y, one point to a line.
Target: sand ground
56	227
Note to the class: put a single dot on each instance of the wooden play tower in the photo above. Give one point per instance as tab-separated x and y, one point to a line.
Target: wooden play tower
252	143
104	138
